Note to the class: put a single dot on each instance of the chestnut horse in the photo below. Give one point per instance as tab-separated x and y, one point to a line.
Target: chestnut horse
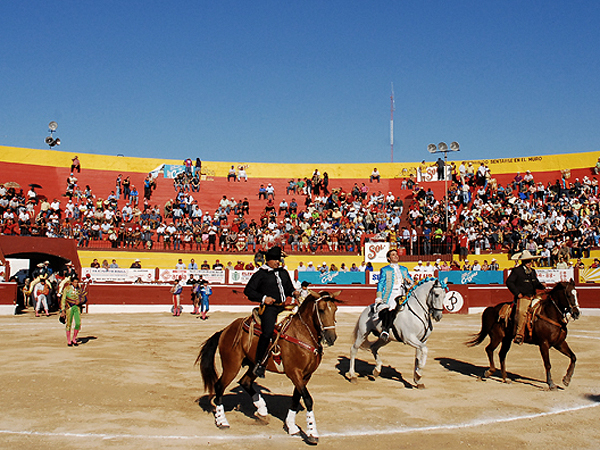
549	329
300	349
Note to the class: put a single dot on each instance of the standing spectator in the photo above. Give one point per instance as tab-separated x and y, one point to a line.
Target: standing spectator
176	290
41	291
205	293
126	185
118	186
440	169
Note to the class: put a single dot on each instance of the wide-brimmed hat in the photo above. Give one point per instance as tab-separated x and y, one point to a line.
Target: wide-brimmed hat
525	255
274	253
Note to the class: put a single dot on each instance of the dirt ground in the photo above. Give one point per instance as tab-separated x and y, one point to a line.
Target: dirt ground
132	384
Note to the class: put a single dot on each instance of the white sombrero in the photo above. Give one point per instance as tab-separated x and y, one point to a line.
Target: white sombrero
524	256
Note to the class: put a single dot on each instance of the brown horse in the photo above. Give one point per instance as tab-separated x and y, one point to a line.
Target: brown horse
549	329
300	349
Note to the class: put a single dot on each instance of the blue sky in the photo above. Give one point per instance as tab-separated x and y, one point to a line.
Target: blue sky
301	82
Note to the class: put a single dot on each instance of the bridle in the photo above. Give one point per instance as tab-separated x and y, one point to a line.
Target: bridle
321	328
569	308
428	308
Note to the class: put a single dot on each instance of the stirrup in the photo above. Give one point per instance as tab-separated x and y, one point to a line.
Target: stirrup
259	371
385	335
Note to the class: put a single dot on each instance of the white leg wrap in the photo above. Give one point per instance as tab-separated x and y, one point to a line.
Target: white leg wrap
261	405
220	419
290	423
311	424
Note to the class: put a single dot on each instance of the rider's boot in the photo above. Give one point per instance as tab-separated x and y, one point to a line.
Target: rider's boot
386	323
261	355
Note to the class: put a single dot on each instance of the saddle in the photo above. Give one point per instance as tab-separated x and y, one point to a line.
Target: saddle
532	314
252	326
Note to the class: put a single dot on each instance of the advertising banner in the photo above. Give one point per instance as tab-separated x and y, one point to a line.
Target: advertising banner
415	275
375	251
241	276
553	276
170	275
589	275
472	277
118	275
332	277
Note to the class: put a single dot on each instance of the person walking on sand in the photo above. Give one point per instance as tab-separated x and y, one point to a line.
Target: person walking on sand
205	293
176	290
70	311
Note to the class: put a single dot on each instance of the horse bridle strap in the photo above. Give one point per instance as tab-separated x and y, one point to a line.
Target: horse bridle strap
304	345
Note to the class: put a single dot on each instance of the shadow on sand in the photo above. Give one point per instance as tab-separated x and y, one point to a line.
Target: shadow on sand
365	370
477	372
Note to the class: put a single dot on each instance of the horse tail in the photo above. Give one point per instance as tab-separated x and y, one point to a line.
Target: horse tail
487	320
206	358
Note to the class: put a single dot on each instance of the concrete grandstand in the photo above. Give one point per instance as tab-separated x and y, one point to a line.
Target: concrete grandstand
51	169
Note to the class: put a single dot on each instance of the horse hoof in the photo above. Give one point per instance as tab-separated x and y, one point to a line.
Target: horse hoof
487	373
312	440
553	387
420	386
223	426
566	381
507	381
376	372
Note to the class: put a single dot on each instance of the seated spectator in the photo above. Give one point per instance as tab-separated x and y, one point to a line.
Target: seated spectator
232	175
375	175
242	174
262	192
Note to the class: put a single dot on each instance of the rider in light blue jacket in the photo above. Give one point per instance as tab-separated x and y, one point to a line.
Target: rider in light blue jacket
393	282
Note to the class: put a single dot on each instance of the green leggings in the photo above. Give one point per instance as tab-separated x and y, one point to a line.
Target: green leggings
73	313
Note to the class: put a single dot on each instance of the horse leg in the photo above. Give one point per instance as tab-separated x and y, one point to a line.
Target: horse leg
375	351
312	435
231	360
506	343
290	420
261	413
420	361
566	350
353	351
495	340
545	351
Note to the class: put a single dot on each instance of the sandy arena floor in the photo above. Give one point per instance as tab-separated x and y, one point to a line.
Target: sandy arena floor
132	384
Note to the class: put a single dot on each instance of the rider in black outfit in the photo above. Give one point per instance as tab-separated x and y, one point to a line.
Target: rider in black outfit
269	286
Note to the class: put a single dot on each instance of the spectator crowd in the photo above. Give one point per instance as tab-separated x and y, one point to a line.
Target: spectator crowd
557	221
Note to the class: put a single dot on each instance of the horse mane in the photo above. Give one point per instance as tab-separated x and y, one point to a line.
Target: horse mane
418	284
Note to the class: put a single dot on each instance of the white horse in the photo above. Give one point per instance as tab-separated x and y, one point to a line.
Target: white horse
412	325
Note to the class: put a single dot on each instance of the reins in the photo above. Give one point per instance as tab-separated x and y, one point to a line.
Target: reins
321	328
428	326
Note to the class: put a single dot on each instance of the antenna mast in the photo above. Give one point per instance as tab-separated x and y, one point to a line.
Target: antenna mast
393	107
